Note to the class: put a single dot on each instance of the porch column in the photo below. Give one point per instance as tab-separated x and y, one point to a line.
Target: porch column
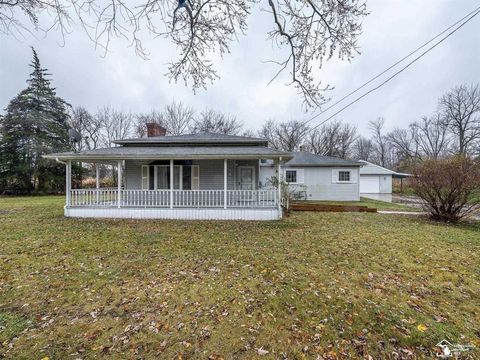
68	184
119	183
225	183
97	181
279	184
171	184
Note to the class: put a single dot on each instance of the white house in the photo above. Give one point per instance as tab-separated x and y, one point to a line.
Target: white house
318	177
195	176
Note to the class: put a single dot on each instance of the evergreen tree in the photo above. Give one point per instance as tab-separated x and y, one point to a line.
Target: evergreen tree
35	123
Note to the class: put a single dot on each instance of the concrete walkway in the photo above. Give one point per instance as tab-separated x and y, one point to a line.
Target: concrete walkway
394	212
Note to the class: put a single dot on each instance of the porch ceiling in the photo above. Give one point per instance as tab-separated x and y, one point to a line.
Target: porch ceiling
168	153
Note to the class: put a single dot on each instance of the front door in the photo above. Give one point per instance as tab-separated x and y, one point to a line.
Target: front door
246	177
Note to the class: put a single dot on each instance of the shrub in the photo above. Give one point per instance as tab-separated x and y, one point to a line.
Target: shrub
448	187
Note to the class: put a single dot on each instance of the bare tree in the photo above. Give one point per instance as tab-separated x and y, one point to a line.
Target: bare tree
363	149
216	122
177	118
287	136
380	142
90	127
432	136
460	108
405	143
448	187
116	125
311	31
333	139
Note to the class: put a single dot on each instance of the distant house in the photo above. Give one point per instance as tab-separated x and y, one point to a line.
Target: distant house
376	181
319	177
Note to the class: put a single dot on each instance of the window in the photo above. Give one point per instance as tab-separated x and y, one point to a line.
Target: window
344	176
157	177
291	176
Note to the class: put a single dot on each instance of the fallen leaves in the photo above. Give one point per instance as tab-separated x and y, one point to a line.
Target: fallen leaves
421	327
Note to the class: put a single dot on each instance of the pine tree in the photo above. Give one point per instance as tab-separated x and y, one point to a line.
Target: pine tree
35	123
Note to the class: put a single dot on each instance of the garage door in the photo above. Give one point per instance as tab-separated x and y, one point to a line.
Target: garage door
369	184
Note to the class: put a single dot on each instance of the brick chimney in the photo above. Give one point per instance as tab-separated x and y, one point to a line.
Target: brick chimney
153	129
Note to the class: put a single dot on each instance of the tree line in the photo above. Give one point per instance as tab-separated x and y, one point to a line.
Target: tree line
36	122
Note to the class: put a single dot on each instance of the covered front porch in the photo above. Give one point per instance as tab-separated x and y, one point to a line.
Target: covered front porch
203	189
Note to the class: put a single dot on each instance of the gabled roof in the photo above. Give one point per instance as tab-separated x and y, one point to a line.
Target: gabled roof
373	169
172	152
303	158
204	138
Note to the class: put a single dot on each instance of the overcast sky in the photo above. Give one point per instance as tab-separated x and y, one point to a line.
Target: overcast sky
84	77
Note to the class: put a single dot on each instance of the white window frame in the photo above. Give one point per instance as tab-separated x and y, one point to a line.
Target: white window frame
299	176
336	176
146	171
349	176
296	176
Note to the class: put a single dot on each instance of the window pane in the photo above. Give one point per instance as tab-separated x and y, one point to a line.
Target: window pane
176	177
187	177
291	176
163	180
344	176
151	178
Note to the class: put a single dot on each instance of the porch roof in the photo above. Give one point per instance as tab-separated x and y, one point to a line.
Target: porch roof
173	152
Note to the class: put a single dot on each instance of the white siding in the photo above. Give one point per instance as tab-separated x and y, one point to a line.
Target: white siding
182	214
211	173
385	184
320	185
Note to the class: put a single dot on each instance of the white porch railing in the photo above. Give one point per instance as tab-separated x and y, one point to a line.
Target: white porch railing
181	198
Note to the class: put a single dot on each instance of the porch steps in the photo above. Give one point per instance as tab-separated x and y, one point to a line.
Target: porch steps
332	208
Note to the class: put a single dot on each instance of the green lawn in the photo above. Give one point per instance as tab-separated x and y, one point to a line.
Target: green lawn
340	285
379	205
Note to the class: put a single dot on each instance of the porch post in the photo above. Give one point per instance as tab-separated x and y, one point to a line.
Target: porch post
119	183
279	184
68	185
171	184
224	183
97	181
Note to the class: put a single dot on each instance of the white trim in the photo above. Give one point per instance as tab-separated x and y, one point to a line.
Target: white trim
171	184
225	178
195	178
119	183
336	176
299	174
183	214
146	177
68	185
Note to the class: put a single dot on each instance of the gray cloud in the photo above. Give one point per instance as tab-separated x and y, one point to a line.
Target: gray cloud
84	77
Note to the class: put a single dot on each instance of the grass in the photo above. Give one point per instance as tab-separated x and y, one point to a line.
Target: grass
379	205
340	285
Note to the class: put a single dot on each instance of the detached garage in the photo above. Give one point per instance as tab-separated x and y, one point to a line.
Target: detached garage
376	180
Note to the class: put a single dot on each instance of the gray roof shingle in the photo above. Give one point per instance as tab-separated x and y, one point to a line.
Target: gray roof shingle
303	158
198	138
173	152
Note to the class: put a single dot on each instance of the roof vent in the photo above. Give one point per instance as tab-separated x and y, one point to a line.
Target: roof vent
153	129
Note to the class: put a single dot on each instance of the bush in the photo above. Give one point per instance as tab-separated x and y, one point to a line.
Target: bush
448	187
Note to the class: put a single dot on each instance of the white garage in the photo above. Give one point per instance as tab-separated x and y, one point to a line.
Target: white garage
369	184
376	181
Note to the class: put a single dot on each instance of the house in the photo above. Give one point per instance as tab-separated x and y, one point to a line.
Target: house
376	181
196	176
318	177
